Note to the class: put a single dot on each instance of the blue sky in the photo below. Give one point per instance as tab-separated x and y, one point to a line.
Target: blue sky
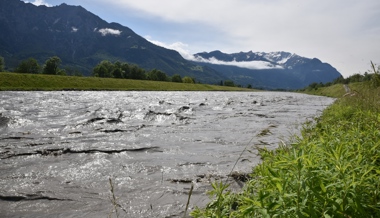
344	33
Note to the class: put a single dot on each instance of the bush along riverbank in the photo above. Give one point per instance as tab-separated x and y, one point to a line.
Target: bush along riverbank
331	170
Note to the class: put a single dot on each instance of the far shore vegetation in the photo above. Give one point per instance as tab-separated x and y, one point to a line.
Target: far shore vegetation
29	75
335	88
42	82
332	169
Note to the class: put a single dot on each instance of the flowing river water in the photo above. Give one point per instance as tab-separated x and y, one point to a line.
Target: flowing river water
60	150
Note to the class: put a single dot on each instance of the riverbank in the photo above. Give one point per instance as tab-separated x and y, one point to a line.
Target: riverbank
40	82
331	170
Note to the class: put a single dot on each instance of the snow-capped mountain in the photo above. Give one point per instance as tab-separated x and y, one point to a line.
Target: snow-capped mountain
274	70
253	60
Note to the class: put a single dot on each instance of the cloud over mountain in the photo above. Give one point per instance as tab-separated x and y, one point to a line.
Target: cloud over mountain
39	2
109	31
255	65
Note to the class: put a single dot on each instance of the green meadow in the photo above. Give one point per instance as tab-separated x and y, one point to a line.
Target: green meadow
33	82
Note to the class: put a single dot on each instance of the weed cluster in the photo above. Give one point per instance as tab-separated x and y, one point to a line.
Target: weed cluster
331	170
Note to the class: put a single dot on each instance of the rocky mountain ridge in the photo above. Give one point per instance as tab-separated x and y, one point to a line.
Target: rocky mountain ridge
272	70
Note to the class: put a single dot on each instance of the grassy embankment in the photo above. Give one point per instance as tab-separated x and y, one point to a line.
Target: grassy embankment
28	82
331	170
337	90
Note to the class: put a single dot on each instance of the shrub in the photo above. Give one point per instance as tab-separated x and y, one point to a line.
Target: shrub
28	66
176	78
187	79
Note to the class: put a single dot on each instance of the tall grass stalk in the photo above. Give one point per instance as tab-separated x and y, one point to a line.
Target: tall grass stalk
188	199
115	204
331	170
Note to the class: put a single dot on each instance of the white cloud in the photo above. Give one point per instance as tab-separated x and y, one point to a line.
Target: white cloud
39	2
182	48
106	31
243	64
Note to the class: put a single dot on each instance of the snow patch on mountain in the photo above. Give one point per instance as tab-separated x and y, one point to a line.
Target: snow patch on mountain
277	57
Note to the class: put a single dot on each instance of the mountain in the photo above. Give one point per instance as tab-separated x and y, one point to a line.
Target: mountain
82	39
273	70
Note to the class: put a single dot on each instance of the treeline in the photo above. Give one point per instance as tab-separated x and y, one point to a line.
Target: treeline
32	66
232	84
122	70
105	69
351	79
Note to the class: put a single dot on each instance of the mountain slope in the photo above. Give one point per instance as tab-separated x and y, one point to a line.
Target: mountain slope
274	70
82	39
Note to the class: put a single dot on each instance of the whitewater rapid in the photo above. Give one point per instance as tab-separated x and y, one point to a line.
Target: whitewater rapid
59	150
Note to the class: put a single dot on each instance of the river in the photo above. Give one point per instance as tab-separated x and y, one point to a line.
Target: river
61	151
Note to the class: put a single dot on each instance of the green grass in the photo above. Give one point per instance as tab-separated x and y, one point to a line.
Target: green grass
335	91
29	82
331	170
338	90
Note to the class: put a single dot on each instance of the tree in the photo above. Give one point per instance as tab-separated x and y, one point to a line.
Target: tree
117	72
51	66
103	69
229	83
137	73
157	75
61	72
340	80
176	78
126	70
28	66
355	78
2	64
187	79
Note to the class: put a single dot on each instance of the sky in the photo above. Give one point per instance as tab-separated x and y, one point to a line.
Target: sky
343	33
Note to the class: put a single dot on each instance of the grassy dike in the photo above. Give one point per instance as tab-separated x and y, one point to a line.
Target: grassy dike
30	82
331	170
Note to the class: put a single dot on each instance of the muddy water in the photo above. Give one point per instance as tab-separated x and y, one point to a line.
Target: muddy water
58	150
